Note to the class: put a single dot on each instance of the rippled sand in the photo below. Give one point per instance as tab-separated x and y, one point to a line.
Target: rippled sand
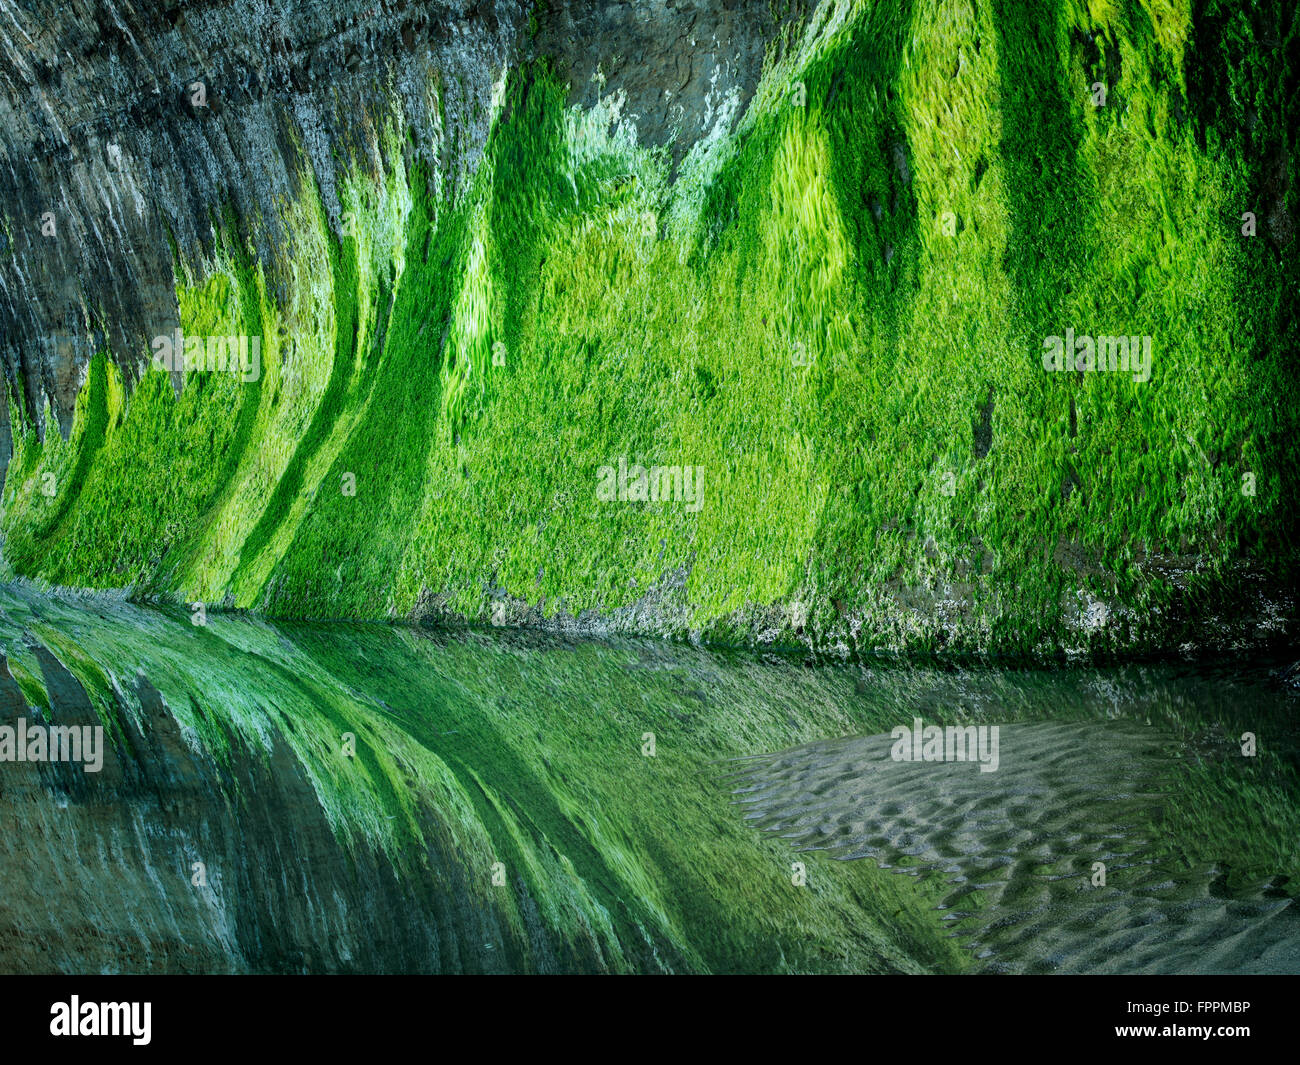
1018	848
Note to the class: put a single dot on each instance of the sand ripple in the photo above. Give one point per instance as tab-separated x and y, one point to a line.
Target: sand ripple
1018	847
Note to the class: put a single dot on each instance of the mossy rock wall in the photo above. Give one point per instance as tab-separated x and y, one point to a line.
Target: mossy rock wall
832	309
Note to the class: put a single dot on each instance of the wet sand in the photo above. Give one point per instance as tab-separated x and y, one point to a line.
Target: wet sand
1017	848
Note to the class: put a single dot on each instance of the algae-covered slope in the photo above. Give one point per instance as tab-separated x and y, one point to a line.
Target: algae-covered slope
826	324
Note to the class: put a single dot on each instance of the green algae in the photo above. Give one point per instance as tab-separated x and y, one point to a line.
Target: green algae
822	311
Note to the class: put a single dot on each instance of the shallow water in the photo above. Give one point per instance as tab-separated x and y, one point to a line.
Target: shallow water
1018	848
519	802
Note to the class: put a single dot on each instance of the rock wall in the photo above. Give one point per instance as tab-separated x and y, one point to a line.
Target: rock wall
126	129
819	253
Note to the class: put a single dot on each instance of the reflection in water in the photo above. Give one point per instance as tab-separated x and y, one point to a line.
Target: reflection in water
361	798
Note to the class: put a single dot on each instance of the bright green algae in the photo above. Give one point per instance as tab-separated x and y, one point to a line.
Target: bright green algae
946	197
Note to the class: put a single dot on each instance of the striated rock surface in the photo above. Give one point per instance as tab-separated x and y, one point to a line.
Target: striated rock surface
100	129
110	168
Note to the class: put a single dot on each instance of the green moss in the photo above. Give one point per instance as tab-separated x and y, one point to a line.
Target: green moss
58	470
33	690
838	312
